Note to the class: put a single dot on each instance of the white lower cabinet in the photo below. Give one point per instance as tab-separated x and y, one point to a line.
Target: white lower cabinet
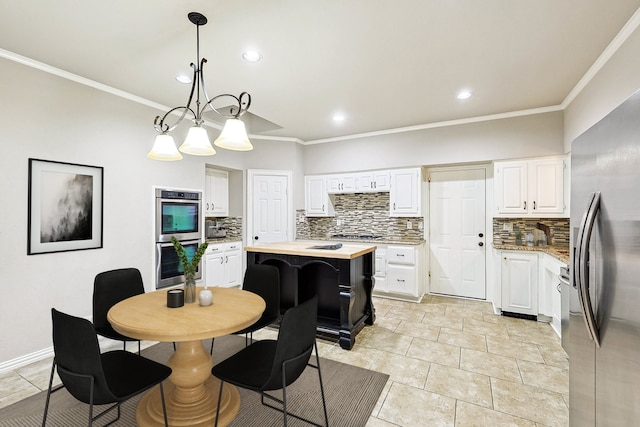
399	272
530	285
520	282
381	269
223	264
550	299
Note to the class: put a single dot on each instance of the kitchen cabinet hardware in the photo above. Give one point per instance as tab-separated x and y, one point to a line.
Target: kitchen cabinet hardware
480	244
480	234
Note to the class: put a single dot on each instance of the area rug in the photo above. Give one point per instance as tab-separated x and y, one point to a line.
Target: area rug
351	393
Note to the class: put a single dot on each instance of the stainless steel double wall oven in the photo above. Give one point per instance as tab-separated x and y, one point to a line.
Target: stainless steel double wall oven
179	215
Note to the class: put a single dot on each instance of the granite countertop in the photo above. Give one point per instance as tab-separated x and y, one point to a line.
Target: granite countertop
559	252
213	241
378	241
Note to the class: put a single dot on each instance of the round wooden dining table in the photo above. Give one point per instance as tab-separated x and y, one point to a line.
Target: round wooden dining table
191	395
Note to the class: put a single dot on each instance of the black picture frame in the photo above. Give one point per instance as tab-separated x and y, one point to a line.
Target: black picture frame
65	207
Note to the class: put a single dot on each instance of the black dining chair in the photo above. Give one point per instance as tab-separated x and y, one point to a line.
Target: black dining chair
109	378
263	280
109	288
269	365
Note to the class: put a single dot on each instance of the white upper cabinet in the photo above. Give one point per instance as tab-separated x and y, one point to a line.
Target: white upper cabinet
405	193
404	187
532	188
345	183
216	201
317	202
375	181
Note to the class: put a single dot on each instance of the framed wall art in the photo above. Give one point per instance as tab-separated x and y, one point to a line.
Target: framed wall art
65	207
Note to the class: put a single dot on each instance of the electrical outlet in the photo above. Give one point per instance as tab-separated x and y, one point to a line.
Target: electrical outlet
409	225
507	226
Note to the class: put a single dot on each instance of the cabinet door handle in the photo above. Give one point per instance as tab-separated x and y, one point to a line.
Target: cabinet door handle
399	254
525	205
534	205
480	244
226	259
221	260
400	280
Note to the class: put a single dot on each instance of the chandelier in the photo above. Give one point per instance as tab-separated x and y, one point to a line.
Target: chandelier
233	135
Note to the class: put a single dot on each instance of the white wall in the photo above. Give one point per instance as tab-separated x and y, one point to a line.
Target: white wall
526	136
50	118
618	79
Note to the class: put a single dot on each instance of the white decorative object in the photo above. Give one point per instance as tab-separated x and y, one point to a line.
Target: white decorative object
205	297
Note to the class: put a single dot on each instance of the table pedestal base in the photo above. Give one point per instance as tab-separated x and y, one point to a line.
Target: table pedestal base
149	411
191	394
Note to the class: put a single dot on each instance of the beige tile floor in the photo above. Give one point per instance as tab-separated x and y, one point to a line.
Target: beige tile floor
451	362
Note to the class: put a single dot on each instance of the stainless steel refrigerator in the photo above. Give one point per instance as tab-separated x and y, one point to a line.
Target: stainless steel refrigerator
604	303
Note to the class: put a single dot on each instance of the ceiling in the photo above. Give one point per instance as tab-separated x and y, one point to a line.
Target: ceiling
384	64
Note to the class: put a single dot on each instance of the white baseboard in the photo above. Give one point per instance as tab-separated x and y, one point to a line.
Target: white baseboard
47	353
27	359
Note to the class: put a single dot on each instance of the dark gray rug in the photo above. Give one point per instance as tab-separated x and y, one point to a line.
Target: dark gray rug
351	394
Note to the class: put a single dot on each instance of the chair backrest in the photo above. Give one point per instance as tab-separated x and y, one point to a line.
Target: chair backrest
77	356
111	287
264	280
296	338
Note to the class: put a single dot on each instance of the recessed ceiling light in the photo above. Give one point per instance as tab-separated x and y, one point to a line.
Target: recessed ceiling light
338	117
464	94
251	56
183	78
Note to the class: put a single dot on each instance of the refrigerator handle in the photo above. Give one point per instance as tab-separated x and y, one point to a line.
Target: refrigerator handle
581	262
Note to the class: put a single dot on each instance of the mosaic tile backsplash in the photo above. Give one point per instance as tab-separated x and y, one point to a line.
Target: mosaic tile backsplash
559	229
359	214
233	225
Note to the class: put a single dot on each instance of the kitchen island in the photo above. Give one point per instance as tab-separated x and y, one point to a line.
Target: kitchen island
341	277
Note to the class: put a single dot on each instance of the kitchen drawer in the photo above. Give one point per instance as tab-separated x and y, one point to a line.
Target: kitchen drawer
401	255
216	248
401	279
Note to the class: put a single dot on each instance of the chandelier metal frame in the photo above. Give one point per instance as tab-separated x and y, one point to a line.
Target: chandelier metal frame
243	101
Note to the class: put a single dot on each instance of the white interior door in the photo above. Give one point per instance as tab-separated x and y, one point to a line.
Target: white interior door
457	232
269	208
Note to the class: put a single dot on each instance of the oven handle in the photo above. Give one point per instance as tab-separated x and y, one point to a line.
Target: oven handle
158	264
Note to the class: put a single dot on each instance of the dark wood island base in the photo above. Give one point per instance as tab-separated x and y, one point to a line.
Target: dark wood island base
342	279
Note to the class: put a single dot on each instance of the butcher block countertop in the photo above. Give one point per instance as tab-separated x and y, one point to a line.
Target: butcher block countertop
347	251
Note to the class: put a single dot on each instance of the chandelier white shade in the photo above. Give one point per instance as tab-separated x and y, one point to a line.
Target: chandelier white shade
165	149
197	143
233	135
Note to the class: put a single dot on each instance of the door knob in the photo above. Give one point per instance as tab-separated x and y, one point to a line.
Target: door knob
255	237
480	244
481	235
